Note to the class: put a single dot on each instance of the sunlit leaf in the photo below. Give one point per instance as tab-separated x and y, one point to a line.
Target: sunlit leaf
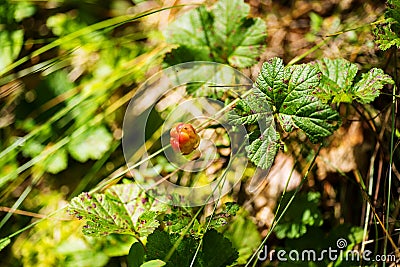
223	34
10	45
337	79
387	33
90	145
121	209
153	263
56	162
222	218
290	90
337	82
24	9
368	88
255	109
263	150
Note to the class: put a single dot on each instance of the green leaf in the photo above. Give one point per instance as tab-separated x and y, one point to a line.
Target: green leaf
223	34
136	255
178	219
56	162
337	82
302	213
251	110
217	250
271	81
387	33
368	88
240	39
147	223
24	10
290	91
287	87
222	218
255	109
244	236
90	145
337	79
32	148
263	150
153	263
10	45
159	244
121	209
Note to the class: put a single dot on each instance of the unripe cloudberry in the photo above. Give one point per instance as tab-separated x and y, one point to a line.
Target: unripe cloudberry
183	138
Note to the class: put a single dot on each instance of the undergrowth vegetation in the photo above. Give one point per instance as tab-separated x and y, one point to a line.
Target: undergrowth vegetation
320	120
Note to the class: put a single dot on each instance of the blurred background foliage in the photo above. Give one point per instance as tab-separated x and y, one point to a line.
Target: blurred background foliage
69	68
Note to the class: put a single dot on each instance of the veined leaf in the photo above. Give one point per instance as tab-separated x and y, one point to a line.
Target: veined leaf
291	91
337	78
121	209
368	88
337	82
255	110
222	218
262	151
286	87
223	34
250	110
238	37
387	33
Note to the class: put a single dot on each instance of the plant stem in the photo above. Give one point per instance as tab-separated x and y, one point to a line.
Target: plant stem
311	50
176	244
394	109
284	210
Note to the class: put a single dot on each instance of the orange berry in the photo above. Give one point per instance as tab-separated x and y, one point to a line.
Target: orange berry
183	138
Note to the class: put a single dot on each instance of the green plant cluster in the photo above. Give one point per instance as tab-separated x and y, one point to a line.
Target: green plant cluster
387	33
300	97
126	209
